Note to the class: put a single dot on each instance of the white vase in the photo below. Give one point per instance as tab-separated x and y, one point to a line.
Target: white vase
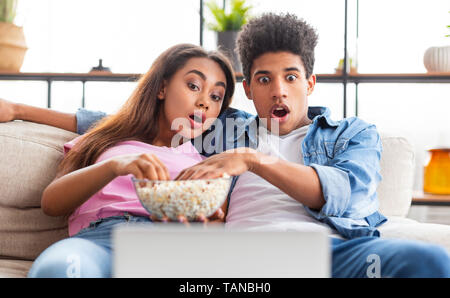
437	59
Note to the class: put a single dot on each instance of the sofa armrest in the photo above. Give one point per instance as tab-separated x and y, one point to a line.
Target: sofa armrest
30	154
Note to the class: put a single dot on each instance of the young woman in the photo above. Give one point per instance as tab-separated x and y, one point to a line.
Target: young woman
175	100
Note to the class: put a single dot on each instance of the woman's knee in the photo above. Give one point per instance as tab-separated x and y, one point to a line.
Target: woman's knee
73	257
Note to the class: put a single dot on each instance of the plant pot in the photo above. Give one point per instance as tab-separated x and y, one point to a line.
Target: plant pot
12	47
437	59
226	43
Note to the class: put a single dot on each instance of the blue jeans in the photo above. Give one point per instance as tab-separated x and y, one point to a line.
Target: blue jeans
89	254
379	257
86	254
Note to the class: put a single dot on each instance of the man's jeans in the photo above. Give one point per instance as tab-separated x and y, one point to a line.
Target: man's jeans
89	254
379	257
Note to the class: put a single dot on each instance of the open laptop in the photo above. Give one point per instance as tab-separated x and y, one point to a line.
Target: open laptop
164	250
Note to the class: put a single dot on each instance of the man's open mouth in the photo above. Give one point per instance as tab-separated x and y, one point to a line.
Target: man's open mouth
279	111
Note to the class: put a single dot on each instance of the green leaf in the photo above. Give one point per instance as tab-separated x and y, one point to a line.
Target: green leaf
234	20
8	10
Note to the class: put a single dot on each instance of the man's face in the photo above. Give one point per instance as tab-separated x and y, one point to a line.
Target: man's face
279	90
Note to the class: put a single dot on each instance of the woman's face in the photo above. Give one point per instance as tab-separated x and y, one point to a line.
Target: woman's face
192	98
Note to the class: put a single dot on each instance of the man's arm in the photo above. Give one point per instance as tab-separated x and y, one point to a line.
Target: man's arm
350	180
78	122
10	111
298	181
346	186
325	189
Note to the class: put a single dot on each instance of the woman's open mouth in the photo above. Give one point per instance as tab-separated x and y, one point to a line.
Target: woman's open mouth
279	112
197	120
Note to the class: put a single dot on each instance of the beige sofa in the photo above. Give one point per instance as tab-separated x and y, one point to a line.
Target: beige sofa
31	152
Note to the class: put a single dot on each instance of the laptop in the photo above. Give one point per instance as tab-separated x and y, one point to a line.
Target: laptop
177	251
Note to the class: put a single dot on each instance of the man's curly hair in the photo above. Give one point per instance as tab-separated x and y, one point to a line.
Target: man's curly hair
274	33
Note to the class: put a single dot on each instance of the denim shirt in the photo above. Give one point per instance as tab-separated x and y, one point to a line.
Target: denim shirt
345	155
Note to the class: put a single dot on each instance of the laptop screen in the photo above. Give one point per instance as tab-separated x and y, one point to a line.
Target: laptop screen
166	250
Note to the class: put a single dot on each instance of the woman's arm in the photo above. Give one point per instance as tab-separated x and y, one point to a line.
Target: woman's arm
65	194
68	192
10	111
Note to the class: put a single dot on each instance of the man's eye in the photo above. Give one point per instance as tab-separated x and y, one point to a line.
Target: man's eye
193	87
263	80
291	77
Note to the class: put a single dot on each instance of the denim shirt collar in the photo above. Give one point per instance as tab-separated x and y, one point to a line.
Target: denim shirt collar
321	116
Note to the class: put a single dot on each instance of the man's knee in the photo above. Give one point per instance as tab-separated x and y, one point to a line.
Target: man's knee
437	261
423	260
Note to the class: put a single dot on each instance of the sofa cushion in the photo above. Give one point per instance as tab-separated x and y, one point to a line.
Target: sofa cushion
405	228
14	268
397	171
30	156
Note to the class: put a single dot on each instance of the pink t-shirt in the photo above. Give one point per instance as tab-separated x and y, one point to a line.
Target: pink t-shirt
119	195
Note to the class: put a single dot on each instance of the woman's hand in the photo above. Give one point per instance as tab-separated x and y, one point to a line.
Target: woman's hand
232	162
140	165
7	110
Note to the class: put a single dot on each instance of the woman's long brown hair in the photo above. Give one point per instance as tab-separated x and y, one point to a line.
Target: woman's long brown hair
137	119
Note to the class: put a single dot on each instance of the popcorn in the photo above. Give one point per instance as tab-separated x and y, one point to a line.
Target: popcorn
190	198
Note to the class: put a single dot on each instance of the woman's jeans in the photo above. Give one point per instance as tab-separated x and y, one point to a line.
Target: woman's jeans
86	254
89	254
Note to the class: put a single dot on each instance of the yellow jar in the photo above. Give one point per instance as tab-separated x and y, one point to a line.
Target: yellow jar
436	174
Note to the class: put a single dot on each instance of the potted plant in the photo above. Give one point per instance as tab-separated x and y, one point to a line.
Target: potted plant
351	67
12	39
228	25
437	59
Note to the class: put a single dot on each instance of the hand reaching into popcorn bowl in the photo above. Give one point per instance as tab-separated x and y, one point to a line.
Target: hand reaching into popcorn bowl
185	201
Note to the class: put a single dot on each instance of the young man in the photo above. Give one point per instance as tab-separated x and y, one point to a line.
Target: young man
308	171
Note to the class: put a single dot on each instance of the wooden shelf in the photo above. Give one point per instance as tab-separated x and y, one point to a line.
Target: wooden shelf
443	77
321	78
400	78
92	76
421	198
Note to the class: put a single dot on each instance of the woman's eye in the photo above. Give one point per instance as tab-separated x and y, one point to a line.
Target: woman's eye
263	80
193	87
291	77
216	97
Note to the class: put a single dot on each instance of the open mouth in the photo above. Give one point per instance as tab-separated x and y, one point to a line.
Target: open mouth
197	119
279	112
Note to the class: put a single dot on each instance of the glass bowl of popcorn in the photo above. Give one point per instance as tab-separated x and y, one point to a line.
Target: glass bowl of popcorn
190	198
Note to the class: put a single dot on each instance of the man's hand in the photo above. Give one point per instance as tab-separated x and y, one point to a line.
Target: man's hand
7	110
232	162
